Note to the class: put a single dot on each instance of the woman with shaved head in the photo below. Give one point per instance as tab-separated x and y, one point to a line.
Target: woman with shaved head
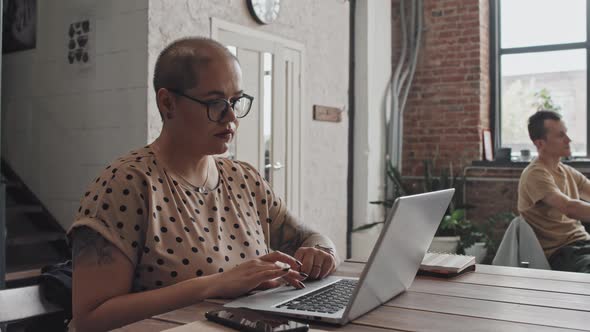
172	223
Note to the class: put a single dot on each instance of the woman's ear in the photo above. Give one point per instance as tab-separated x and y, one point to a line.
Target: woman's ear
166	103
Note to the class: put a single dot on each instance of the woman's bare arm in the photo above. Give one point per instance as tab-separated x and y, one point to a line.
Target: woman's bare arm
291	234
102	281
295	239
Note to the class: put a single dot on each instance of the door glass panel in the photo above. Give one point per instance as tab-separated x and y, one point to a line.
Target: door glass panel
231	153
267	109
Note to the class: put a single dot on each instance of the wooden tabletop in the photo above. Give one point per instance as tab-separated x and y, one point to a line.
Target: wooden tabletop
492	298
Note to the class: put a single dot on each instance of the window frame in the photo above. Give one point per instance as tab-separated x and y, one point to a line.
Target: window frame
495	71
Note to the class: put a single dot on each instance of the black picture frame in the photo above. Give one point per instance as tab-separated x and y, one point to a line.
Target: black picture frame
19	25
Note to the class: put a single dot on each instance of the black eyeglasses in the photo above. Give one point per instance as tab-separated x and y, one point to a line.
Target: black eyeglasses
218	108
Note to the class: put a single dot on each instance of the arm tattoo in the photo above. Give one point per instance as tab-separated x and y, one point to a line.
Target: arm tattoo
289	235
90	246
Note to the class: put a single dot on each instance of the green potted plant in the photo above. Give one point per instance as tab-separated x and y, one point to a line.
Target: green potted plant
447	235
455	233
368	233
399	190
494	228
544	101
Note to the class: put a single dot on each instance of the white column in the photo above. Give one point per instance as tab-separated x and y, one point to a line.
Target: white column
372	46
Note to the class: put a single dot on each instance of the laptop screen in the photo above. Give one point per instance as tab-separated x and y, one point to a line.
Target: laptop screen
396	257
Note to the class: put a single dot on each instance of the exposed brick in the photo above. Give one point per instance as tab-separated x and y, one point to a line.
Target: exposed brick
448	104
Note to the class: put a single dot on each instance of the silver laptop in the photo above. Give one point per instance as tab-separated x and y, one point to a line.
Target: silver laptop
392	266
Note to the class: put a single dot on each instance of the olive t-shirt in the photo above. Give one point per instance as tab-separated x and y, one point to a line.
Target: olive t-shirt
553	228
168	230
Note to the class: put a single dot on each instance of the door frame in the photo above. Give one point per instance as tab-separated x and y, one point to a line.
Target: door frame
295	123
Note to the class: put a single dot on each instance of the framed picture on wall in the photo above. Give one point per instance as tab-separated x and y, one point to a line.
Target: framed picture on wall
488	152
19	25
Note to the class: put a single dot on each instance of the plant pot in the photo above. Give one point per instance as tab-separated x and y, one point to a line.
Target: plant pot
478	250
444	244
364	241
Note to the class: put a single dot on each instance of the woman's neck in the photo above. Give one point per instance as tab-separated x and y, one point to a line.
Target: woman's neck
189	164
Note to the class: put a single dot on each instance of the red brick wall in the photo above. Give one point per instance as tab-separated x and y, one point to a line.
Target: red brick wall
448	104
491	191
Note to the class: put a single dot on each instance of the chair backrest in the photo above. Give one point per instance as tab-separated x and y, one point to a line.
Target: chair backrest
22	303
520	247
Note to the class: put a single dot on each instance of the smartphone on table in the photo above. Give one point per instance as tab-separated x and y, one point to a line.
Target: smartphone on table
249	320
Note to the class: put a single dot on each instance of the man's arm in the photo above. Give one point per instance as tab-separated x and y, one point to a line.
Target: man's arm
573	208
585	197
584	191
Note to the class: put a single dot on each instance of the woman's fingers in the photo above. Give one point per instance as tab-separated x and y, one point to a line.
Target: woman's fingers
295	278
316	268
266	274
269	284
316	263
328	266
299	256
258	274
307	261
282	257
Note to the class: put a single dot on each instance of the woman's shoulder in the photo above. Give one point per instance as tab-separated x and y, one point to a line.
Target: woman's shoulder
137	157
237	166
135	164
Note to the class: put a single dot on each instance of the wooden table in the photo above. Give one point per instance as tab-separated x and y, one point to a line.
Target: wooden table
492	298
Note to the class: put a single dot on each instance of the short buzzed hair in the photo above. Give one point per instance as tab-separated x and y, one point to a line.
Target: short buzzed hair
537	124
178	65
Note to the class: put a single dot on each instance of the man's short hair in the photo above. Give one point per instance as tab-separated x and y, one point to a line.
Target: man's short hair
537	123
178	65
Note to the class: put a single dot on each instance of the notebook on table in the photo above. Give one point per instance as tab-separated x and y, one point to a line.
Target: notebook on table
446	265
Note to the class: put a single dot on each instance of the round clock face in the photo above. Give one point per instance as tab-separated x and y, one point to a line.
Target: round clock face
264	11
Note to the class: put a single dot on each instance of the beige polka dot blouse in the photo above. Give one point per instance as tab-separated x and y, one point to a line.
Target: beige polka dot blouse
169	231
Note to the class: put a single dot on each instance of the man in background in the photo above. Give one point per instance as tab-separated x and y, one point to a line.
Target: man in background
550	193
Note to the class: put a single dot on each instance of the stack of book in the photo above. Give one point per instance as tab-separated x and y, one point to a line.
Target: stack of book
446	265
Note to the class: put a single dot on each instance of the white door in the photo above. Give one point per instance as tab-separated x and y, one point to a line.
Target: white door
269	136
291	138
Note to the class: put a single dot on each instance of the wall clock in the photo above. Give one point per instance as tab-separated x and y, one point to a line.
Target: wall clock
264	11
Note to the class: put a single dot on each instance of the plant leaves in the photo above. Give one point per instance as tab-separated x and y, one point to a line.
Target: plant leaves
458	214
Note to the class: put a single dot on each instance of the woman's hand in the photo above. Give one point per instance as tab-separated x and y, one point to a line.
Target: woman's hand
259	273
317	263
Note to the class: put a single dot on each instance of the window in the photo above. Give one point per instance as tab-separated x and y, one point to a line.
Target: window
541	49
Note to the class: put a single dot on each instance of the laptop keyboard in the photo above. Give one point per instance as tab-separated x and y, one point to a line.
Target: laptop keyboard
327	299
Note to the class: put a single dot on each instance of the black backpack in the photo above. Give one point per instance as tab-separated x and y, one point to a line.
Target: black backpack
55	284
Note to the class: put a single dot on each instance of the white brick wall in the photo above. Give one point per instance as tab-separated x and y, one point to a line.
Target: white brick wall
61	126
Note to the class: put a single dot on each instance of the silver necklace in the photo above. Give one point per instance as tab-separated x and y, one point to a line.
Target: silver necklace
203	188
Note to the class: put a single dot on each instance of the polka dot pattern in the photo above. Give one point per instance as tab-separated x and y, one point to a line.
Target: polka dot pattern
169	230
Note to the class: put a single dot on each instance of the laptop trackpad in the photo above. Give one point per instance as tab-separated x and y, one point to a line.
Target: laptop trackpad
276	296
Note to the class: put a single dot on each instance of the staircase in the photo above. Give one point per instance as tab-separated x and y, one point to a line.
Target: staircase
34	237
